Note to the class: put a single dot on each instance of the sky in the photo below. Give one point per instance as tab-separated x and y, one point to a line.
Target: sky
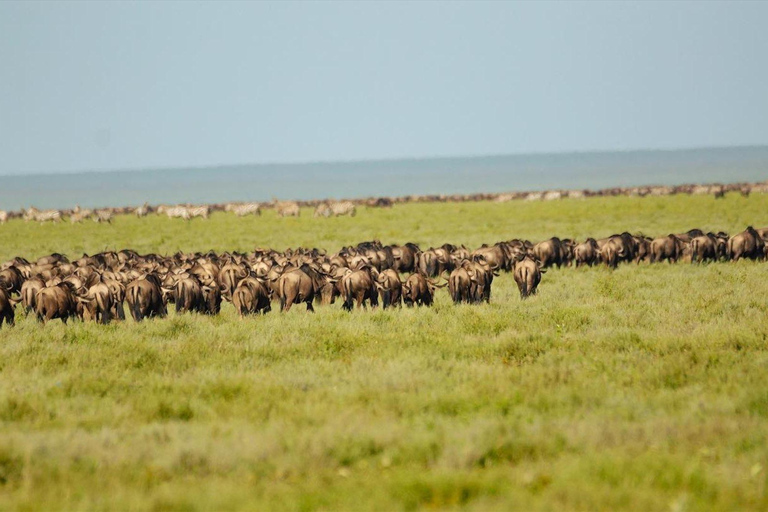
111	85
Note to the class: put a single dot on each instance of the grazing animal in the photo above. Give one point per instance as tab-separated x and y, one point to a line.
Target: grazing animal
390	288
419	290
56	301
527	276
287	209
6	305
250	297
747	244
145	298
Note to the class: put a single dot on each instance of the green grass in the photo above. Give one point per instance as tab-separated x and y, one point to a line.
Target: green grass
639	389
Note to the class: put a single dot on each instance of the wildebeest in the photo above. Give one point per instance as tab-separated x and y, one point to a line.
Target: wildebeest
57	301
145	297
550	252
390	288
668	248
585	253
6	304
29	291
709	247
405	257
251	296
97	302
297	285
527	276
747	244
419	290
359	286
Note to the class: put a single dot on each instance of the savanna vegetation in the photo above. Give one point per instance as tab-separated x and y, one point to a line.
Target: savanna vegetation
642	388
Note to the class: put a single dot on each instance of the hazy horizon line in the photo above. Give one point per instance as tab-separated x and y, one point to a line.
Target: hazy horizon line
380	160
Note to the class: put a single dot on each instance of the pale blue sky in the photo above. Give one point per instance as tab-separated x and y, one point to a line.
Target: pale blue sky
107	85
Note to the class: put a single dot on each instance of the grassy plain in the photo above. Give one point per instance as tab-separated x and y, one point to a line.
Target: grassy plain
639	389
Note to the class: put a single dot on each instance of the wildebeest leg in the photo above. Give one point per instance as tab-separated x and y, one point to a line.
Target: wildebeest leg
310	307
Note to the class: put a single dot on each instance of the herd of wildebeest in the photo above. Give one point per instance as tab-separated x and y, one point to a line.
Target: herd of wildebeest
96	287
326	208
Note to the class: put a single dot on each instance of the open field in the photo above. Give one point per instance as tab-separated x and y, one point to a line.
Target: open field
642	388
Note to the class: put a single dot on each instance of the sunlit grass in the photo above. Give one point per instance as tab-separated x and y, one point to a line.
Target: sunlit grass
639	389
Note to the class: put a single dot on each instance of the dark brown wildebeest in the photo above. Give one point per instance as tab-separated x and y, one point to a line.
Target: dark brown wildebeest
145	297
229	276
57	301
668	248
549	252
29	290
460	282
704	248
251	296
418	290
643	248
585	253
747	244
429	262
211	300
612	251
97	303
6	304
497	256
390	288
689	235
483	278
188	295
527	276
13	277
297	285
359	286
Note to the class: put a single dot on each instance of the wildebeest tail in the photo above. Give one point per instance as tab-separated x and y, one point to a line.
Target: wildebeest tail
694	249
386	297
524	291
135	305
453	288
106	313
181	300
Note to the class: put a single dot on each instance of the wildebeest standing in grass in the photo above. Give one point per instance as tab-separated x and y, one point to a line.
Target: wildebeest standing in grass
297	285
29	290
747	244
188	295
390	288
229	275
585	253
527	276
145	297
419	290
251	296
405	257
550	252
57	301
359	286
709	247
6	304
460	282
97	303
13	277
668	248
